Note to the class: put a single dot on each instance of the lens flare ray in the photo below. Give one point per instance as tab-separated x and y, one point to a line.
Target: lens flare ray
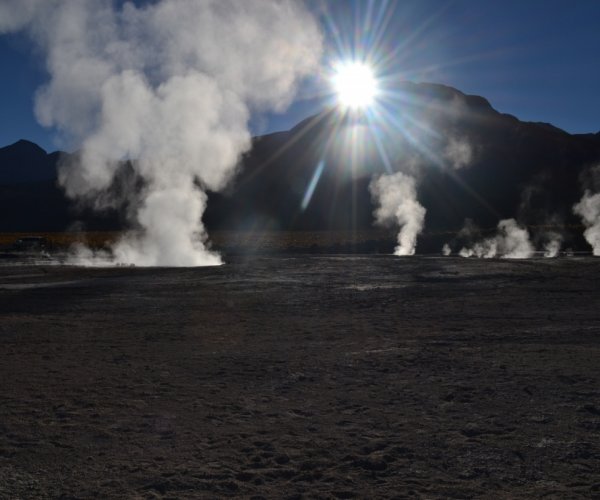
312	185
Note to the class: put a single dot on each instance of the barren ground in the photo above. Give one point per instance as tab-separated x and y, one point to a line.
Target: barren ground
302	376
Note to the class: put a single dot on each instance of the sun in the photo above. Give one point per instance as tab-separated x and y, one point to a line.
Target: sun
355	85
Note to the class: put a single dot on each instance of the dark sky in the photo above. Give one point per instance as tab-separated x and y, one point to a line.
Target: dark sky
535	59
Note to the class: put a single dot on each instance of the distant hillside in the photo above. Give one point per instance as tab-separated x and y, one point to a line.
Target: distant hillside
471	162
516	169
25	161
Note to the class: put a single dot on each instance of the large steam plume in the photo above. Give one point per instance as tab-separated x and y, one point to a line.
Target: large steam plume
396	197
170	85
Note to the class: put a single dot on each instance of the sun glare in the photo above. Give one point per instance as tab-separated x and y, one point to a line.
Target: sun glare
355	85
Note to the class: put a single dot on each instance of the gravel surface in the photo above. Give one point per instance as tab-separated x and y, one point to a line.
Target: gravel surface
301	377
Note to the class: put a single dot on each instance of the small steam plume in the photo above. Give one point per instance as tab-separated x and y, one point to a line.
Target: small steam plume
552	244
170	86
458	152
464	239
588	209
456	148
536	210
510	242
396	197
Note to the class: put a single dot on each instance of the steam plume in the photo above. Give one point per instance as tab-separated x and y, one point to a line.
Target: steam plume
170	85
510	242
552	244
589	210
396	196
458	152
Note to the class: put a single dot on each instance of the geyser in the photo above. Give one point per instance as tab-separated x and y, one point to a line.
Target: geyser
589	210
396	199
510	242
171	85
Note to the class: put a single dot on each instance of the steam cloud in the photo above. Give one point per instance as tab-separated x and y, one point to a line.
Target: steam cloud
396	196
552	244
458	152
170	85
589	210
510	242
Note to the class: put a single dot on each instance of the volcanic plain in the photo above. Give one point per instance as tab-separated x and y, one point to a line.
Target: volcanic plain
302	376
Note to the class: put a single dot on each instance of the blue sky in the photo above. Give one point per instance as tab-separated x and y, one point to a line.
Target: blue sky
535	59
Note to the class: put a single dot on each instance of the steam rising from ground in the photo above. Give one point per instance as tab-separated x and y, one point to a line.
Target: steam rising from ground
589	210
552	244
170	85
396	197
510	242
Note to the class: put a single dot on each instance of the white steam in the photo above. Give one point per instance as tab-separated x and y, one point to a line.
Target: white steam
552	248
458	152
553	244
446	250
510	242
170	85
16	14
589	210
396	197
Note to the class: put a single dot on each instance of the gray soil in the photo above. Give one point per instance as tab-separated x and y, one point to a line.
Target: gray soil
303	376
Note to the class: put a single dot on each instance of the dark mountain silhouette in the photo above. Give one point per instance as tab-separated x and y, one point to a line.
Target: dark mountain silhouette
531	171
470	160
25	161
31	199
